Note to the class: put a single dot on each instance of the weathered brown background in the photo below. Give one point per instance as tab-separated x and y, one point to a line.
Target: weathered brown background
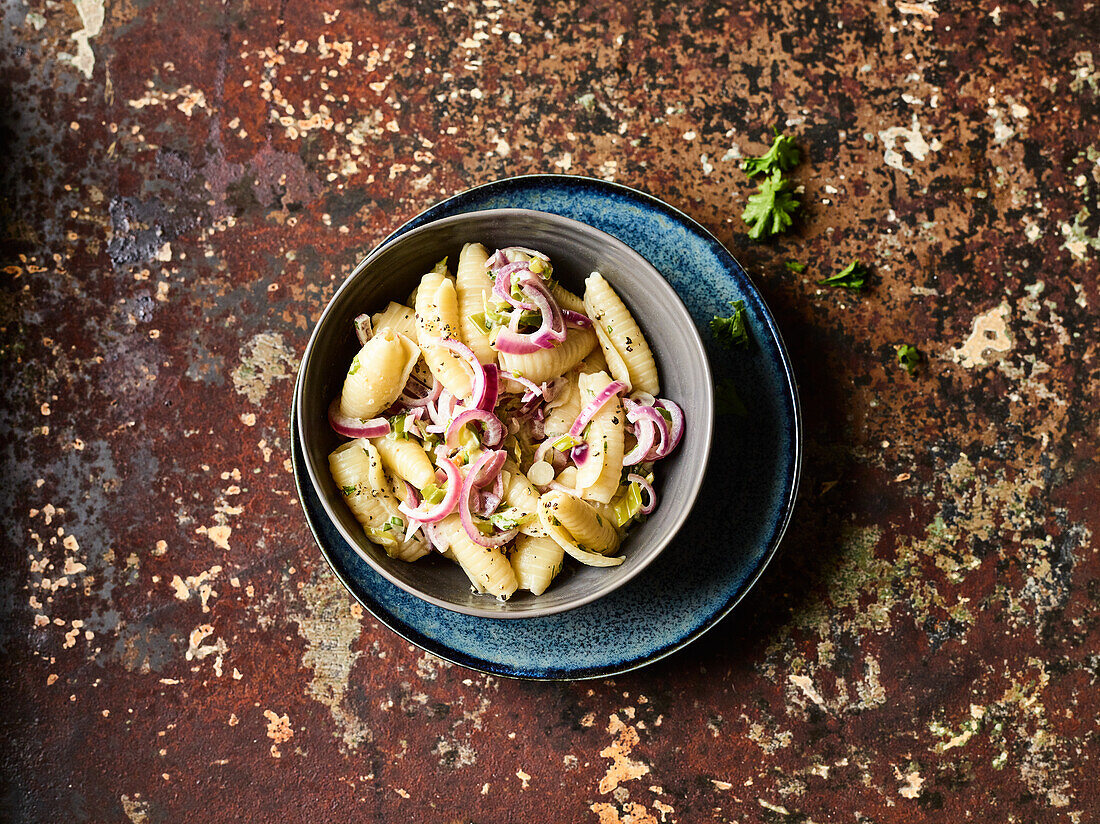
184	184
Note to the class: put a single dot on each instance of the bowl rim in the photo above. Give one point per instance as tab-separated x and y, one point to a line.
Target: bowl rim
676	305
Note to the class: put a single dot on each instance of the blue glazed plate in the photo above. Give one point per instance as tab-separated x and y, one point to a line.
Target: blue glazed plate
742	511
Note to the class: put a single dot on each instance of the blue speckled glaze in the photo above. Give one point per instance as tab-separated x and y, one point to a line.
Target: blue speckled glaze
736	525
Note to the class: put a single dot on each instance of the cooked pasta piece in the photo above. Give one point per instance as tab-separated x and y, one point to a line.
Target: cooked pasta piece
549	506
545	364
609	313
396	316
474	287
598	479
522	496
616	366
561	417
406	459
437	317
536	561
357	469
565	298
377	374
487	569
596	361
587	524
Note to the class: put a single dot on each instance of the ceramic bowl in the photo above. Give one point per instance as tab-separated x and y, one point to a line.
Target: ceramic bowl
392	271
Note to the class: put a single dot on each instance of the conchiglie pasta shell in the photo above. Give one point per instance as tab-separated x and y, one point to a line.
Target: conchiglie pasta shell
536	561
377	374
547	364
473	285
609	313
487	569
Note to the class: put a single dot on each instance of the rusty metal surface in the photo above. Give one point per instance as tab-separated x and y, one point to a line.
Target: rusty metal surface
185	183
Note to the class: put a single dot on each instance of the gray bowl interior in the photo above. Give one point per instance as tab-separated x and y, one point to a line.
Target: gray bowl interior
393	271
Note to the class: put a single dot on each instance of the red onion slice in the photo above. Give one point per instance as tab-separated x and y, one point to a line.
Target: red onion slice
351	427
645	430
531	387
468	489
443	508
660	440
363	329
481	381
647	489
576	319
493	429
676	428
416	393
594	406
490	392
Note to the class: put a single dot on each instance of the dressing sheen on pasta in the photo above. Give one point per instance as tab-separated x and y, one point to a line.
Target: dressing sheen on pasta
502	421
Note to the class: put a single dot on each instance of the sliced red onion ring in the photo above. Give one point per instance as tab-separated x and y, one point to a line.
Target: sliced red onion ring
676	428
576	319
594	406
490	471
411	494
531	387
481	388
416	393
507	251
645	430
580	454
492	428
351	427
660	440
547	336
647	489
445	507
468	488
491	393
363	329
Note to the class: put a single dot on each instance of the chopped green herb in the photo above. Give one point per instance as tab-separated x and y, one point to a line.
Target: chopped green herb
349	490
731	330
509	519
565	442
610	331
727	401
481	322
354	365
627	505
440	268
399	428
783	155
795	266
769	211
852	276
909	357
433	494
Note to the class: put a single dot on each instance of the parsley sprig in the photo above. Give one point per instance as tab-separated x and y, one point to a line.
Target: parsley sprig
852	276
783	155
769	211
732	330
909	357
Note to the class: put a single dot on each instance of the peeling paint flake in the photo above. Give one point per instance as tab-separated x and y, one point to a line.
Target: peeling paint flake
913	142
91	16
989	333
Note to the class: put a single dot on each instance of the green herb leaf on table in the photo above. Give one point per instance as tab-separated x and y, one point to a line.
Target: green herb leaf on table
769	211
909	357
782	155
731	330
795	266
852	276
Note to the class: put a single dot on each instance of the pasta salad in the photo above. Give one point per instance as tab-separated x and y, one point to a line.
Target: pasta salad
502	421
